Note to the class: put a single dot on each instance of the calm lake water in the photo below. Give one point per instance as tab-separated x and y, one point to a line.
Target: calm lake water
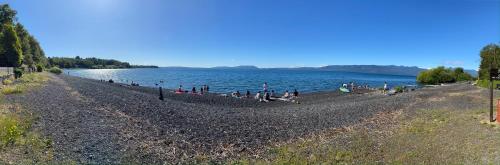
226	81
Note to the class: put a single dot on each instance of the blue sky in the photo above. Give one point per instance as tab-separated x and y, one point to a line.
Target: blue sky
266	33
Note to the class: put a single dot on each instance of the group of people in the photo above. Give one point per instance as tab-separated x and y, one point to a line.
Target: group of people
134	84
352	87
203	89
267	95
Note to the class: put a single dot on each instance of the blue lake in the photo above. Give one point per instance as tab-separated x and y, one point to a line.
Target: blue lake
228	80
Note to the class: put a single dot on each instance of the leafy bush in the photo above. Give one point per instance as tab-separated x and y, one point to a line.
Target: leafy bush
55	70
442	75
18	72
399	89
39	68
10	129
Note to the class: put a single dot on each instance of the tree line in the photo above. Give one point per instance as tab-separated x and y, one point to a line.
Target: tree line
490	58
17	46
443	75
91	63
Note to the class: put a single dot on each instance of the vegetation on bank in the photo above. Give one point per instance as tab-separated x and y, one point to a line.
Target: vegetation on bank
490	57
17	46
443	75
91	63
55	70
28	81
19	142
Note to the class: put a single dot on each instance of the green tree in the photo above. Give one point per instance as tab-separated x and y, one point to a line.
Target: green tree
12	54
442	75
460	75
24	37
37	52
490	55
7	14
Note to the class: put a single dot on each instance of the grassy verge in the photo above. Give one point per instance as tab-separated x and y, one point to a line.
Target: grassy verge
486	83
431	137
28	81
19	143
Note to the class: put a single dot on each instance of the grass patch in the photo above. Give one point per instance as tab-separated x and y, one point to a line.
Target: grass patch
430	137
19	144
486	83
7	90
7	81
28	81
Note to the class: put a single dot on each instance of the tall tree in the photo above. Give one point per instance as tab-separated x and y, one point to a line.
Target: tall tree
7	14
24	38
37	52
12	54
490	56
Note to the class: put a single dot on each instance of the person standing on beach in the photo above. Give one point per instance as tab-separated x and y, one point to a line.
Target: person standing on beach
201	90
385	88
265	86
193	90
352	87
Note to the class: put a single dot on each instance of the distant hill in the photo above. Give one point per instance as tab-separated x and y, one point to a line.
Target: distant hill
473	73
236	67
375	69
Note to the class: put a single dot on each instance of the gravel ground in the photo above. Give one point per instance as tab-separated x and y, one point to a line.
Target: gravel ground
97	122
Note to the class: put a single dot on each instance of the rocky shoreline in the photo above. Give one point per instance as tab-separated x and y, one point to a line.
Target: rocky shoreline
98	122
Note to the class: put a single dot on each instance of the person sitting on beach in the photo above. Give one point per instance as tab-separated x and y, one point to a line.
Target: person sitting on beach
257	96
248	94
180	89
267	97
295	93
111	81
286	95
273	94
193	91
236	94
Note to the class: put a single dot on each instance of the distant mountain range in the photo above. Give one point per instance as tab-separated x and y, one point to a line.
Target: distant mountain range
375	69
